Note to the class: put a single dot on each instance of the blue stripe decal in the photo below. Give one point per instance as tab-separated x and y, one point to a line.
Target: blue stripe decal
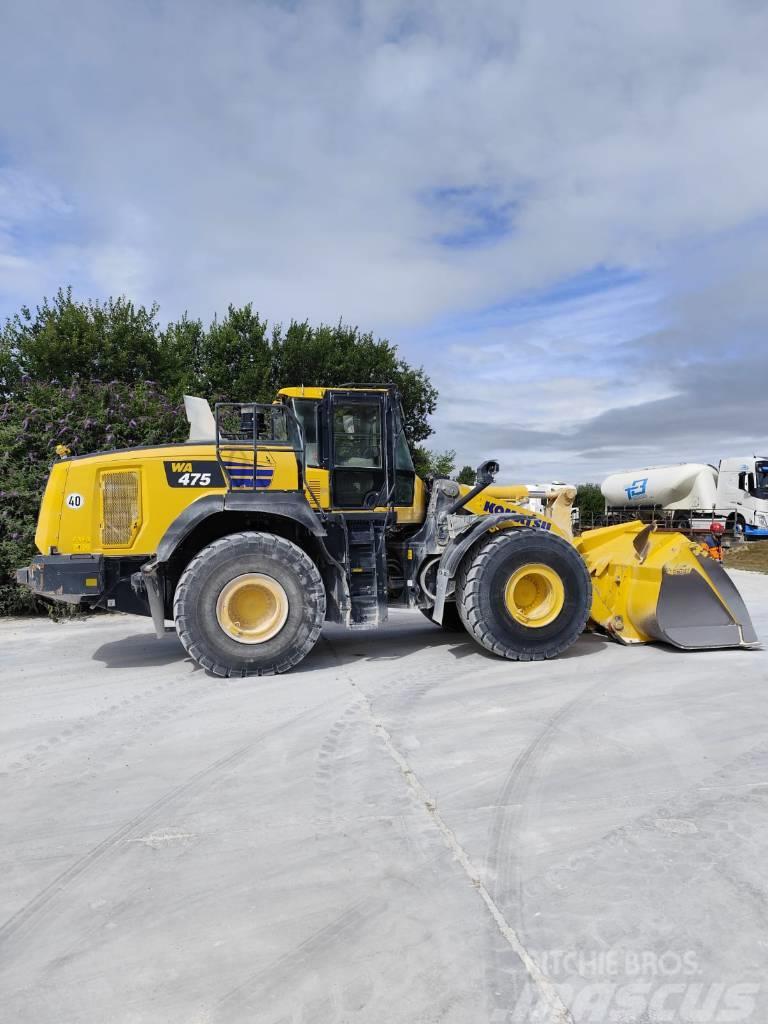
242	475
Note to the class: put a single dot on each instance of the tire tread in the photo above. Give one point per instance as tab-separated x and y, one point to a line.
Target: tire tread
290	554
468	587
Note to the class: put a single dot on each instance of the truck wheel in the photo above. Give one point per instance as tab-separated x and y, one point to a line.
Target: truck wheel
451	618
734	520
525	595
249	604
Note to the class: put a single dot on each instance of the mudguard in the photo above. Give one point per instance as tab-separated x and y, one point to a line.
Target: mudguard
290	505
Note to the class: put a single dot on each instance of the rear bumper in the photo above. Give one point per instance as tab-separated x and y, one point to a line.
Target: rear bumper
72	579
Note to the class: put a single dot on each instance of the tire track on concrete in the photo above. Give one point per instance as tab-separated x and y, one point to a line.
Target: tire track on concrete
34	908
333	786
399	705
504	860
408	691
280	973
87	725
329	778
556	1010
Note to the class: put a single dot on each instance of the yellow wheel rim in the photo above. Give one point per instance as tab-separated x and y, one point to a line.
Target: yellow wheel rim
252	608
534	595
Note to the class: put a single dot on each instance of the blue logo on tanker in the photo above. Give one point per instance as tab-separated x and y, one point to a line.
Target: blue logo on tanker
637	488
518	517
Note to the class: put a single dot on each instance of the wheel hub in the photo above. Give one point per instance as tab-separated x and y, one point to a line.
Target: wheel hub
252	608
534	595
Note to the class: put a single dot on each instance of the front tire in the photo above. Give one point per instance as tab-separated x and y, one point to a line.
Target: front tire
249	604
734	520
524	595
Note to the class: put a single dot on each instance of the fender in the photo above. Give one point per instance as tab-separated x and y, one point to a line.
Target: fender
290	505
458	547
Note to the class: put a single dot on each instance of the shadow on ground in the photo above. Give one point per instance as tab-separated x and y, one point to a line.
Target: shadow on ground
140	650
144	650
394	643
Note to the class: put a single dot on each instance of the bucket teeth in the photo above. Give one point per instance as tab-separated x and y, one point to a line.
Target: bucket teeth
642	543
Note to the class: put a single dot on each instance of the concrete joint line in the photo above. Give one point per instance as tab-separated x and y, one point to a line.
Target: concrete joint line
558	1011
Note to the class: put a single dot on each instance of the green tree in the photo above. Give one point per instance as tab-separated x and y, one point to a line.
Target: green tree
329	356
64	339
182	357
237	358
590	502
241	359
235	361
431	463
466	475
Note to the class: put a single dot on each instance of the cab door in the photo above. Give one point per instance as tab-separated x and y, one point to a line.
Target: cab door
359	453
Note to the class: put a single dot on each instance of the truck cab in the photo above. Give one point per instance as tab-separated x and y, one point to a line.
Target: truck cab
742	494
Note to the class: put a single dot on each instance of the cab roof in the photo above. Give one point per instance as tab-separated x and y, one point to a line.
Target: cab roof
302	391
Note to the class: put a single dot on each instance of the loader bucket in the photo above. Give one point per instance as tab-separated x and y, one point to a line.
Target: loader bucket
649	586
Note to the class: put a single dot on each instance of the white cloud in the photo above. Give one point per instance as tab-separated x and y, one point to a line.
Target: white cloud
203	153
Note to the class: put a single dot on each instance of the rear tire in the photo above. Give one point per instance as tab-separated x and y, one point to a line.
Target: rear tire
291	627
451	619
562	606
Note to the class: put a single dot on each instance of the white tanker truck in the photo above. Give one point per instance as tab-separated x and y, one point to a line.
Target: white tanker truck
692	494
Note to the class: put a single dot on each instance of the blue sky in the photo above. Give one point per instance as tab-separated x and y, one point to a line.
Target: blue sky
558	209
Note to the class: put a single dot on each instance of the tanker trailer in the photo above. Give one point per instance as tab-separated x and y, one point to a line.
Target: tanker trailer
685	494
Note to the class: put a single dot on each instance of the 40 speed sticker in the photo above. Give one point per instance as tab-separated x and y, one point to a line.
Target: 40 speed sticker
193	473
75	500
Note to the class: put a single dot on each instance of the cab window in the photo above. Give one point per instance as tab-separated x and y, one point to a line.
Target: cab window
306	414
357	435
759	488
404	472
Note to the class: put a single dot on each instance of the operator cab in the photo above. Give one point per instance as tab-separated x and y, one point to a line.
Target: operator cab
357	435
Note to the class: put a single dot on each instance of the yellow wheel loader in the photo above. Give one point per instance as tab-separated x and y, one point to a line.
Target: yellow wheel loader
272	519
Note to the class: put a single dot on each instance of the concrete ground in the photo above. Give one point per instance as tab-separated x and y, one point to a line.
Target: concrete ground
403	830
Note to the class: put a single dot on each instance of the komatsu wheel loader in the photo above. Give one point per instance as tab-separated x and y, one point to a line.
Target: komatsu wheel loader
272	519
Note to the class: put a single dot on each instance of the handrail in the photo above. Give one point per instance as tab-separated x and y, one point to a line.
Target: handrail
241	443
299	447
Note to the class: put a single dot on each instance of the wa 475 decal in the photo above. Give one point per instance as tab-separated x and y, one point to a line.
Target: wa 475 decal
194	473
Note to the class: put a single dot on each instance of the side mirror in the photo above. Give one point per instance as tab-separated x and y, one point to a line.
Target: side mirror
484	476
486	472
